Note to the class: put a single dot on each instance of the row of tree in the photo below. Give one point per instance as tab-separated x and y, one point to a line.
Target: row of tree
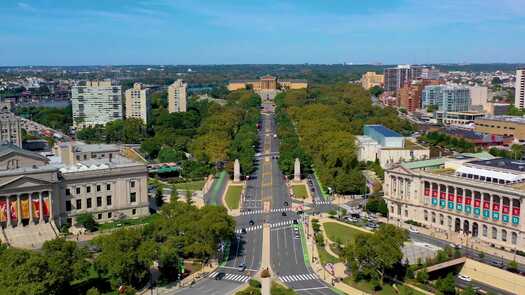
123	257
447	141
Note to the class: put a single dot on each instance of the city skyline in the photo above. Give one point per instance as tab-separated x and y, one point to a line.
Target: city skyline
270	32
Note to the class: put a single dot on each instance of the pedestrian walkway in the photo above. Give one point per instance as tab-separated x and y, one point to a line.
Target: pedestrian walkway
322	202
253	212
251	228
281	209
260	211
299	277
282	223
231	277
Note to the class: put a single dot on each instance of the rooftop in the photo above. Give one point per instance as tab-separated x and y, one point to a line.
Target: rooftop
89	148
502	163
384	131
513	119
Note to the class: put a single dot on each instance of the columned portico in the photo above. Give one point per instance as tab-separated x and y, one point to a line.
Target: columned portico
35	213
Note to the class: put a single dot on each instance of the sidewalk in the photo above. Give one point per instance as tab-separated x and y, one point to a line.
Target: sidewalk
194	277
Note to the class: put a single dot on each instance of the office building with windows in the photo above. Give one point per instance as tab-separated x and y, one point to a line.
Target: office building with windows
96	103
395	78
471	199
447	98
137	102
10	128
177	93
519	100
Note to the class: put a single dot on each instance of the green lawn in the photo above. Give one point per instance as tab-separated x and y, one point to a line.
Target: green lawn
344	233
325	257
278	289
299	191
127	222
190	185
233	196
387	289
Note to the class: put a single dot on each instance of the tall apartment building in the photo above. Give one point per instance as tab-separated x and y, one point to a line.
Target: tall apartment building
519	100
96	103
472	198
395	78
137	102
371	79
10	128
177	93
447	98
411	92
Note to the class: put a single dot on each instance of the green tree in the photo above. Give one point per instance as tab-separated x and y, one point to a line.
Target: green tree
422	276
516	151
446	286
87	221
376	91
468	291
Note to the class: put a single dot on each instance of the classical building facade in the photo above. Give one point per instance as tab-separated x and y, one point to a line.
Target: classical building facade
96	103
267	83
137	102
473	199
177	96
371	79
40	193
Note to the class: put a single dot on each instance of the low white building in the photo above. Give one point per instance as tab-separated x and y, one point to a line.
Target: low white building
369	150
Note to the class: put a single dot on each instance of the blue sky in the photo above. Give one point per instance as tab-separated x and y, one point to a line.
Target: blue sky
88	32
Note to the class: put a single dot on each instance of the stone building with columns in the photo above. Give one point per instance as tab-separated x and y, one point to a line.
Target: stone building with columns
472	199
39	193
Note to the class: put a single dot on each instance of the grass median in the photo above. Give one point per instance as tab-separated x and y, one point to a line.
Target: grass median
337	232
233	196
299	191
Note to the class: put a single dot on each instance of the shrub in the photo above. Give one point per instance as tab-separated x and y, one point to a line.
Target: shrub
255	283
422	276
265	273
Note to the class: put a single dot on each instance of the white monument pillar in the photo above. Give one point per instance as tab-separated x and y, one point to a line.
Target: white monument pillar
236	171
30	198
297	170
8	211
40	208
19	209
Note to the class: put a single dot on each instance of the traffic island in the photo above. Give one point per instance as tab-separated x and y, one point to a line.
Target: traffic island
232	197
299	191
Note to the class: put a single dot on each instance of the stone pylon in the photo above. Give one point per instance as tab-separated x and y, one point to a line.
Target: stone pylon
297	170
236	171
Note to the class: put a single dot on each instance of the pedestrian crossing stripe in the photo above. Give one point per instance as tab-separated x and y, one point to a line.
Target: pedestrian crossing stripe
281	209
282	223
251	228
252	212
322	202
231	277
299	277
259	211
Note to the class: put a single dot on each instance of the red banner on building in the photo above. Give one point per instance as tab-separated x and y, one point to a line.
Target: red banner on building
46	207
427	192
459	199
515	211
495	207
486	205
468	201
443	195
477	203
36	208
451	197
12	206
505	209
434	194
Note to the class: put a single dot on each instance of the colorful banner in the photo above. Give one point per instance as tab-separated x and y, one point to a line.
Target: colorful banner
434	201
486	205
505	218
495	215
515	211
477	203
515	220
459	199
427	192
506	209
468	209
46	207
442	203
468	201
36	209
25	208
450	205
434	194
451	197
486	213
495	207
443	195
3	211
477	211
12	205
459	207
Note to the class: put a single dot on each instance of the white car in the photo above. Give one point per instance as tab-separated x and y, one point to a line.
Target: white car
455	246
413	230
464	278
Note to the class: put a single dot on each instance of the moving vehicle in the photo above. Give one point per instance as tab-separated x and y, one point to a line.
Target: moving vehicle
284	214
242	266
464	278
413	230
251	222
295	221
219	276
243	230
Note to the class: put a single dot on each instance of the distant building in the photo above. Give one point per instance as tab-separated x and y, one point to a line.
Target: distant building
502	125
519	100
429	73
387	146
371	79
448	98
137	102
496	108
457	118
409	96
395	78
267	82
479	96
96	103
10	126
177	97
478	139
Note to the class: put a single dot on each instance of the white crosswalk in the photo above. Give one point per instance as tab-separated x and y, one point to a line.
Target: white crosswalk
251	228
281	209
322	202
299	277
231	277
282	223
252	212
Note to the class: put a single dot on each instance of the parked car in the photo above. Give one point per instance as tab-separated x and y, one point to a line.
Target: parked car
413	230
464	278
